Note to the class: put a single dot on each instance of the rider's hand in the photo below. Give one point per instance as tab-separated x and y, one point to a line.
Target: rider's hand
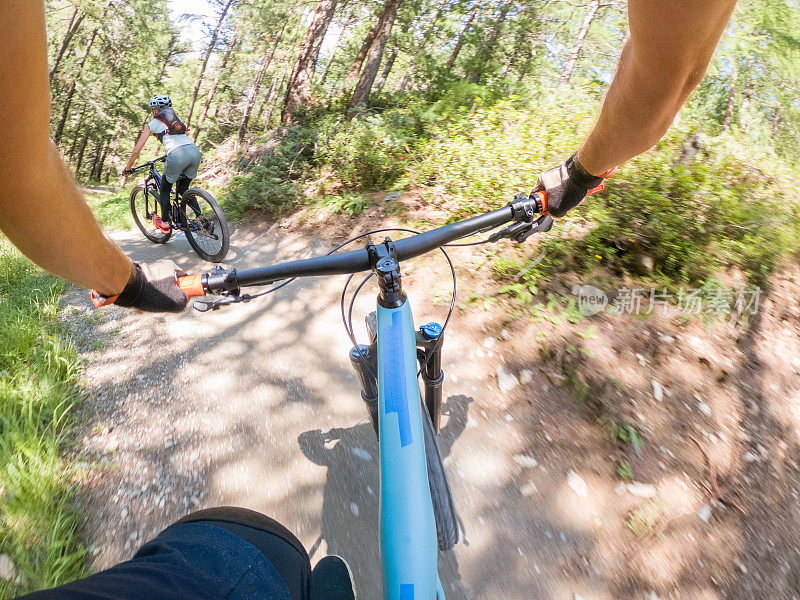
567	185
151	288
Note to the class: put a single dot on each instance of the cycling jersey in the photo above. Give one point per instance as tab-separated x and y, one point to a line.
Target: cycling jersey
159	129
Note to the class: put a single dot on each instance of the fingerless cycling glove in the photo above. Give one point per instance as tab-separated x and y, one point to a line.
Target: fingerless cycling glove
566	185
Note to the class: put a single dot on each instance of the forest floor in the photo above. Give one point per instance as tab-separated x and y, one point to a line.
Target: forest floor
617	456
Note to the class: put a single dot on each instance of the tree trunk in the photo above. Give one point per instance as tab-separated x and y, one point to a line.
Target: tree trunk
98	152
113	156
387	69
272	99
251	99
298	89
72	28
726	122
409	73
213	89
170	53
355	70
373	61
485	52
211	44
74	144
744	114
348	22
572	59
77	133
98	173
73	86
776	122
460	42
80	156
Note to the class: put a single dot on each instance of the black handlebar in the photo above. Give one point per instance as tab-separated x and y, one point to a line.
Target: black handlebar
148	163
356	261
521	211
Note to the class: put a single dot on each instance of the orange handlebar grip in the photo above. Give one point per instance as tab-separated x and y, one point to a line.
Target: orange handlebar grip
542	199
192	285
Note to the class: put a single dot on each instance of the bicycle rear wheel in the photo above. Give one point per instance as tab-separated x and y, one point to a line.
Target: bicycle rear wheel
443	508
144	204
207	230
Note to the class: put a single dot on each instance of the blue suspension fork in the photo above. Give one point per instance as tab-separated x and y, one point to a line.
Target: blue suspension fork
407	526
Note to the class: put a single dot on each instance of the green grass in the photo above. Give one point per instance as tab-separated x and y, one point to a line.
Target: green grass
624	471
642	521
39	523
111	209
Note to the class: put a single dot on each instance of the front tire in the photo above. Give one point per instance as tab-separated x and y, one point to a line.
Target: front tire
144	204
207	231
444	510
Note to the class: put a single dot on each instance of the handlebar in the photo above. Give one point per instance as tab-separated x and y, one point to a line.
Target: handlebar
521	211
148	163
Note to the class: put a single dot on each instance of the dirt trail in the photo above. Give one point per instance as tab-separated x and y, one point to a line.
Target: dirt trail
256	406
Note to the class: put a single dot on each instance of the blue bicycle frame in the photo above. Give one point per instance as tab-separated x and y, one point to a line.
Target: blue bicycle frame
407	526
156	176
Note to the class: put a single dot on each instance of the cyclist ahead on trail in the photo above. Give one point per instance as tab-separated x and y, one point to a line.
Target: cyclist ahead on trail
183	156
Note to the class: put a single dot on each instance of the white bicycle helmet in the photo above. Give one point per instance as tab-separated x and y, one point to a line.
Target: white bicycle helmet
160	101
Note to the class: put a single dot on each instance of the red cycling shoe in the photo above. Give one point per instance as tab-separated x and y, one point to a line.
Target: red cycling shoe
160	225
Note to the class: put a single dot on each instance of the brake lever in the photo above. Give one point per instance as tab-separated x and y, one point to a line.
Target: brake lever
203	306
519	232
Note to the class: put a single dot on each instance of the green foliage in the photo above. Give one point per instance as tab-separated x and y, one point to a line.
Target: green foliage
624	471
727	208
692	220
40	525
370	152
485	157
272	185
629	434
642	521
346	202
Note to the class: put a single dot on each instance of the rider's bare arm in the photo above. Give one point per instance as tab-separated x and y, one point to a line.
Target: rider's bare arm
138	147
670	46
41	210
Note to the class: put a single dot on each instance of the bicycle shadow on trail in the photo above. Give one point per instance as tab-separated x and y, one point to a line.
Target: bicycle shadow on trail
349	519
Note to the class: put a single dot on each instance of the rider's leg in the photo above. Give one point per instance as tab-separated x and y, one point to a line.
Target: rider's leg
217	553
275	542
164	199
181	186
331	578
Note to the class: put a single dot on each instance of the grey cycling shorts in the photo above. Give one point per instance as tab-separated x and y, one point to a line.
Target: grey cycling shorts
183	160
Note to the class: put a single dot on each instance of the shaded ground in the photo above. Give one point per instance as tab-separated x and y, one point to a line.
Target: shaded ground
256	406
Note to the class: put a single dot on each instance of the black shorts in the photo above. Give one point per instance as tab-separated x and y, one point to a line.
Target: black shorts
225	552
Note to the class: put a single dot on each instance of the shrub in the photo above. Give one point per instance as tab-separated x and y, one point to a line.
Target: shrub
272	185
370	152
692	220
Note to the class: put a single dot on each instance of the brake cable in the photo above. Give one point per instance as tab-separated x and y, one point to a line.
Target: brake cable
348	323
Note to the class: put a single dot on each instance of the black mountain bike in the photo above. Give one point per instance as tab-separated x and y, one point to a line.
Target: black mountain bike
196	214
